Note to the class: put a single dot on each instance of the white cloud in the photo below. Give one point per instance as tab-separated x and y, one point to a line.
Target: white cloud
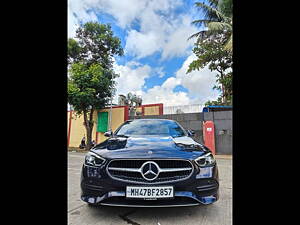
160	34
142	45
79	11
170	83
198	83
159	71
133	64
132	78
72	23
177	43
159	94
160	28
125	11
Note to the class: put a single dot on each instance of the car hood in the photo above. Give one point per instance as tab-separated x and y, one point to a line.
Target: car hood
150	148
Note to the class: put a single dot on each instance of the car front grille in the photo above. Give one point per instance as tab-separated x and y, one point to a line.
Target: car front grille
169	170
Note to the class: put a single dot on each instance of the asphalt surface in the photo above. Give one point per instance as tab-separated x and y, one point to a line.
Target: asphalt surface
79	213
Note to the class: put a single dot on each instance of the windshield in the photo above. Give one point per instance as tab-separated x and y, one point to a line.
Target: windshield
151	127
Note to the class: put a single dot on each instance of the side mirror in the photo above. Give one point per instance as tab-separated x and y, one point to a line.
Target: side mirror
108	133
191	133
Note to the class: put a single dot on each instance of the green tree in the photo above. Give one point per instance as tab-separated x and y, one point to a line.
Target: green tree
217	102
217	18
211	52
213	46
91	77
95	44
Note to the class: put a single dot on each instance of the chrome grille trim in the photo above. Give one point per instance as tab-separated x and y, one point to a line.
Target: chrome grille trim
161	170
175	169
125	169
139	170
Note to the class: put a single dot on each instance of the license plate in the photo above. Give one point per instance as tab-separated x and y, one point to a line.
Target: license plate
149	192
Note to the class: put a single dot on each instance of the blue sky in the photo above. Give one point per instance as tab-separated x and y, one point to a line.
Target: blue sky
154	37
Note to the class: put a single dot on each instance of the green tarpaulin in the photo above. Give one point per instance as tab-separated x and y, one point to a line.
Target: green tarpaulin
102	122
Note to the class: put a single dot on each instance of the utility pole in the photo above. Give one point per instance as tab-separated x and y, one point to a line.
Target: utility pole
110	113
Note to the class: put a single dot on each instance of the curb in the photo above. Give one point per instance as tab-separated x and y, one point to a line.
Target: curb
223	156
77	150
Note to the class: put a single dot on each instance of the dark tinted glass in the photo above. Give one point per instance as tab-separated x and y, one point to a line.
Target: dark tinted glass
151	127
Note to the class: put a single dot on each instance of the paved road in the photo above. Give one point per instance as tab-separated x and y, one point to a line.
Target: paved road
79	213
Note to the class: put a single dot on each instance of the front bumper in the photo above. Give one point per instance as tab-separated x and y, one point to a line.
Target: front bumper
99	189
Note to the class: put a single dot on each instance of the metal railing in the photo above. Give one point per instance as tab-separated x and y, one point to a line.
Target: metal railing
194	108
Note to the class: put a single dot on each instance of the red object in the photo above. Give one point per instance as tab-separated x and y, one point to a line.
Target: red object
126	113
209	135
161	109
143	110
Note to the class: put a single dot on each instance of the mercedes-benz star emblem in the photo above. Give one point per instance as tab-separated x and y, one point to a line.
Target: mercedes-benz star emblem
150	152
150	170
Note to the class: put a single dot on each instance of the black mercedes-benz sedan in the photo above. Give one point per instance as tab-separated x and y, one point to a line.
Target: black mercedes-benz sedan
149	163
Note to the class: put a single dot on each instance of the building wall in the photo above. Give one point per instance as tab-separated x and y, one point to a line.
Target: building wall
150	109
68	121
68	126
139	109
78	131
120	114
223	130
118	117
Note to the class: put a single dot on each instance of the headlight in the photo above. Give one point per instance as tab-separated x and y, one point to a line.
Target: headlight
206	160
92	159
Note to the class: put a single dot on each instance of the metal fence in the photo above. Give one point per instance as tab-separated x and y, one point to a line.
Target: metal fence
194	108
